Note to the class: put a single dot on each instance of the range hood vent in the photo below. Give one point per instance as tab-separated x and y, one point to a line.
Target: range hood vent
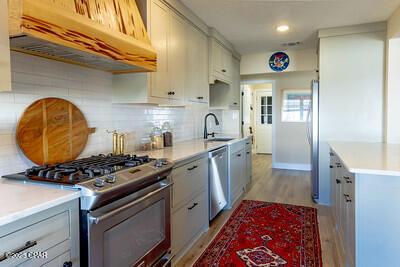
102	34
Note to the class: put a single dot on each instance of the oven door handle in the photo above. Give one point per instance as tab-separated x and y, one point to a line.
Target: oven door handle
99	219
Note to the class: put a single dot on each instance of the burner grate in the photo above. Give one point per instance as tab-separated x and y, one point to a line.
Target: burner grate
86	168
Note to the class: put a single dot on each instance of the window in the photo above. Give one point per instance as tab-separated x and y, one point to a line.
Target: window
296	105
266	109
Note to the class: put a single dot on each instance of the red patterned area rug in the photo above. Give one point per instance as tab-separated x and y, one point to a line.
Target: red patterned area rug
268	235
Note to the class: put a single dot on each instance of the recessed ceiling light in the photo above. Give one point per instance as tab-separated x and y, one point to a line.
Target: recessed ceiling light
282	28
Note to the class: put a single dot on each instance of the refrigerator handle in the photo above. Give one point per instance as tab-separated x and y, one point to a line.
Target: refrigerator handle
308	126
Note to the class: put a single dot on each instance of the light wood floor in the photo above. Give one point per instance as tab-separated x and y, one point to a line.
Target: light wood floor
283	186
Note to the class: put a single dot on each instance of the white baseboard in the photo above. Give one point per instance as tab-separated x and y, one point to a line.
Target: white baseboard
291	166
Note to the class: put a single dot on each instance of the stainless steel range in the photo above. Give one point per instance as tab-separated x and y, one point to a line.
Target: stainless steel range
125	207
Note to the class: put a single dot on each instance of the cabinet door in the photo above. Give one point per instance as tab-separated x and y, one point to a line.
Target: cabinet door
159	30
202	74
5	72
237	174
226	63
248	165
177	55
234	93
217	57
196	86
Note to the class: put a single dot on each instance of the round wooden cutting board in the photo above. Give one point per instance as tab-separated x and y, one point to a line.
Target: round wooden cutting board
51	131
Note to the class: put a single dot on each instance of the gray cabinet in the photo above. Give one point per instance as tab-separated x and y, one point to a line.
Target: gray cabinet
249	162
343	206
48	238
196	85
189	203
239	170
220	62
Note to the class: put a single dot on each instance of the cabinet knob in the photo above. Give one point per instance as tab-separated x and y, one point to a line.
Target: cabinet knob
67	264
347	198
200	97
224	71
348	180
338	181
330	166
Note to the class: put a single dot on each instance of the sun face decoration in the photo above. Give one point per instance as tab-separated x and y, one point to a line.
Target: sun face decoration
279	61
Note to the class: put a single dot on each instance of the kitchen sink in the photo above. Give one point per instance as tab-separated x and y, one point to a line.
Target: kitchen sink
219	139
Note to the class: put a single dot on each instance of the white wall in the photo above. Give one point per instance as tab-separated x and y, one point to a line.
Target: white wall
351	93
291	147
300	60
392	129
393	25
393	92
34	78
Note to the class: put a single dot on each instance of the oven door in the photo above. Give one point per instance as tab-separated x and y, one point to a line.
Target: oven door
133	231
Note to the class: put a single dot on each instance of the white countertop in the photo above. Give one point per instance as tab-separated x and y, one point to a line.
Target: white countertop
369	158
186	150
19	200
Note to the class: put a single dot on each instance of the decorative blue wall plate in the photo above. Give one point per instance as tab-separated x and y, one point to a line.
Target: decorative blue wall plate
279	61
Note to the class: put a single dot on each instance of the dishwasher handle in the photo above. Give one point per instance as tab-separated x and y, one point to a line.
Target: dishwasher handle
217	152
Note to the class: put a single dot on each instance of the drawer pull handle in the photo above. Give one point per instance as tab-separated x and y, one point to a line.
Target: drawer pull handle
194	205
200	97
239	155
347	197
338	165
330	166
248	153
338	181
348	180
27	245
192	168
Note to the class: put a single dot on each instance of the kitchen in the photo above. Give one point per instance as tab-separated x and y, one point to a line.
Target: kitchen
81	83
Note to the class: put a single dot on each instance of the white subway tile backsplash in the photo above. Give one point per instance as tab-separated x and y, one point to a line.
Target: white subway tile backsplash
34	78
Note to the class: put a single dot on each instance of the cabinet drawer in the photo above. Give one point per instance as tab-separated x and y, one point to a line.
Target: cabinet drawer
236	147
189	179
188	221
42	236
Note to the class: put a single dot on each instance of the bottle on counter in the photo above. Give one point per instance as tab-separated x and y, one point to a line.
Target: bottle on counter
157	138
167	134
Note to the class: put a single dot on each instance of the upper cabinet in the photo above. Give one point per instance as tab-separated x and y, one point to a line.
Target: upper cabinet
182	67
196	84
5	69
220	63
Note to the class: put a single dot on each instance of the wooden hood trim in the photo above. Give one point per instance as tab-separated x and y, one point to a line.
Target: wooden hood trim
104	34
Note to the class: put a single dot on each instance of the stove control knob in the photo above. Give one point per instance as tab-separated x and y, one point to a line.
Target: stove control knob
99	182
158	163
111	179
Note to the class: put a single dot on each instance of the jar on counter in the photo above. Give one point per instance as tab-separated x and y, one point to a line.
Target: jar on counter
167	134
157	138
145	143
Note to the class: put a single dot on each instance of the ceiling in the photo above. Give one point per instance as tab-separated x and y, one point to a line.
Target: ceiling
250	24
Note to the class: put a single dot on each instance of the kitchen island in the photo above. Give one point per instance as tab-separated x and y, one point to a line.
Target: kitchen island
365	193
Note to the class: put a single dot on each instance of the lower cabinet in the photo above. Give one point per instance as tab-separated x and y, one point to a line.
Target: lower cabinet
240	161
190	204
48	238
343	207
249	163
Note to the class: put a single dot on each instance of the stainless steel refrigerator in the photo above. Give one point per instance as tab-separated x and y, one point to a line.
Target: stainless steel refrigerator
313	137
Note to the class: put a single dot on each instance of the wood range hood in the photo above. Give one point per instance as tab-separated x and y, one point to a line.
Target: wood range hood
103	34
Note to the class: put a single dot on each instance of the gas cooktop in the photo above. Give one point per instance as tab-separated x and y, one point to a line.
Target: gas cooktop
77	171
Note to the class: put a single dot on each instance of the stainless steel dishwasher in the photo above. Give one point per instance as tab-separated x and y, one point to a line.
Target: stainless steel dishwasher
218	180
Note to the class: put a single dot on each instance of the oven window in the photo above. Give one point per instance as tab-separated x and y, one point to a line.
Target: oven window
127	242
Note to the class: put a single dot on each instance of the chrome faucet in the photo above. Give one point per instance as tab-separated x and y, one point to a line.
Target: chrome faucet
206	134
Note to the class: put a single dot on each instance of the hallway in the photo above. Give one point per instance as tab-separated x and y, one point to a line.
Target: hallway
282	186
